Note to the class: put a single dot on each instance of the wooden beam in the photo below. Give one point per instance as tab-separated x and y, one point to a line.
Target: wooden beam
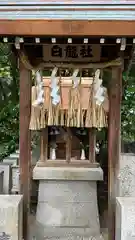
67	27
113	145
73	163
25	143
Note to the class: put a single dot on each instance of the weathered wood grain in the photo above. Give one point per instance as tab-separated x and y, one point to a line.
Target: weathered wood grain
25	142
113	145
67	27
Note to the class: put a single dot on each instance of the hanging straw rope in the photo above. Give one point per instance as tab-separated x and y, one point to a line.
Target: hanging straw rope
42	65
75	115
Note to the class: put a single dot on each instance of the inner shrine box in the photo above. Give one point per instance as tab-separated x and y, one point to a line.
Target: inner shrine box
65	87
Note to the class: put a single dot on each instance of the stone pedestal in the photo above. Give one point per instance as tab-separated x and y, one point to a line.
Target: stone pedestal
67	202
11	217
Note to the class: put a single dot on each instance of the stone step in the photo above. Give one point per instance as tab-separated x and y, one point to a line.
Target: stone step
66	238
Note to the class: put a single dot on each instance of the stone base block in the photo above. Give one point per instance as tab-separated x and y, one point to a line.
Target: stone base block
11	217
125	218
64	203
56	233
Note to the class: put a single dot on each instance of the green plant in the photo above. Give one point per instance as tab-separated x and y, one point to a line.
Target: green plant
9	99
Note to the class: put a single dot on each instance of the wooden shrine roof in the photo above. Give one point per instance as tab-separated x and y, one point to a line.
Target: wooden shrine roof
67	17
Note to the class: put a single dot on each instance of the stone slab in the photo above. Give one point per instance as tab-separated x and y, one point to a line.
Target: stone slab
15	186
126	176
67	173
14	155
9	160
11	216
15	179
6	168
125	218
1	181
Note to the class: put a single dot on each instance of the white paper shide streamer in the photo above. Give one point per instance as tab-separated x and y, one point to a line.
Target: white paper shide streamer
53	154
54	87
75	78
99	90
40	89
83	154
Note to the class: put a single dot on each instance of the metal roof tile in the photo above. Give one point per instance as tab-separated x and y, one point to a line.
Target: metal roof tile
54	9
69	2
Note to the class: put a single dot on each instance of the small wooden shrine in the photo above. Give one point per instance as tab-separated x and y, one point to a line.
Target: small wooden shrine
69	95
70	101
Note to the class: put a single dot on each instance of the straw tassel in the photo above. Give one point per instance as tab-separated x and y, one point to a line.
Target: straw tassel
50	113
35	112
89	113
79	105
62	118
42	118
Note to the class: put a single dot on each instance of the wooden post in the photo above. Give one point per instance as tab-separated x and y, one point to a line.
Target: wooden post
43	147
68	146
113	145
25	143
92	145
